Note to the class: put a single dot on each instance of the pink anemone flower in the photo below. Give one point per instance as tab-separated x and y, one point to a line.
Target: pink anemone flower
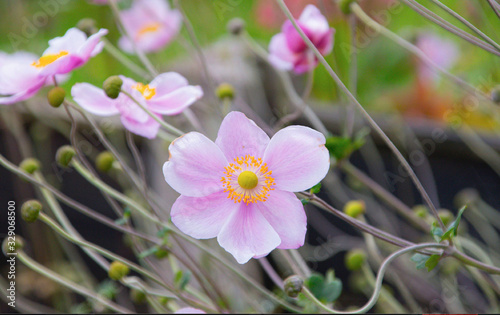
441	51
168	94
288	51
23	77
151	25
240	189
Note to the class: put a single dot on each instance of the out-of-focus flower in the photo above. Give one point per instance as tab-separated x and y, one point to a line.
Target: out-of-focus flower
240	188
287	49
441	51
168	94
21	75
151	24
189	310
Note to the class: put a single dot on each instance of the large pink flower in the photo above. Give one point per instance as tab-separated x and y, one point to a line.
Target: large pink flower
21	77
287	49
151	24
240	188
168	94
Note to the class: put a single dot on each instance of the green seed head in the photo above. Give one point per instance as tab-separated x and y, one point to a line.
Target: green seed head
9	246
355	208
30	210
104	161
355	259
112	86
225	90
118	270
30	165
161	253
64	155
236	26
87	26
293	286
137	296
421	211
56	96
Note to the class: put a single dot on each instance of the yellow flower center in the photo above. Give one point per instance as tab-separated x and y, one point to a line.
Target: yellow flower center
149	28
146	91
248	180
48	59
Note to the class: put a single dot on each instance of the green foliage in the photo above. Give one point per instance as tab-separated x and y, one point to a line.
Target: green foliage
182	278
453	228
316	188
342	147
326	289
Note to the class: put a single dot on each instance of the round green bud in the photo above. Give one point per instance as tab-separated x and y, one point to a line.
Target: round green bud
355	208
30	210
354	259
161	253
495	95
104	161
446	216
30	165
56	96
64	155
345	6
293	286
137	296
118	270
225	90
236	26
421	211
87	26
9	246
112	86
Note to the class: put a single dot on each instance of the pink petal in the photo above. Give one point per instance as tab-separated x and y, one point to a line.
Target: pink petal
195	167
168	82
175	102
71	42
202	217
239	136
284	211
297	157
279	54
92	45
247	234
93	99
189	310
147	129
17	77
315	22
22	95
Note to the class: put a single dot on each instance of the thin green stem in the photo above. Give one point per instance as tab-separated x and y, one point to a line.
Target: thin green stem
118	55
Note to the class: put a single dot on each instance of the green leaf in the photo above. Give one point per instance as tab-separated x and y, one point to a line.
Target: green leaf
420	260
326	290
453	228
182	278
147	252
436	232
304	201
163	232
316	188
332	291
432	262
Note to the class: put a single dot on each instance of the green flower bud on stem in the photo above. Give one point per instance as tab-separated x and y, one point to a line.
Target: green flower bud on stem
293	286
87	26
225	90
64	155
118	270
355	208
56	96
236	26
137	296
30	165
421	211
104	161
355	259
161	253
9	247
345	6
112	86
30	210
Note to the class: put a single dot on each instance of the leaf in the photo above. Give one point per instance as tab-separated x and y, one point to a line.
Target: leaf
316	188
453	228
436	232
332	291
432	262
326	290
420	260
182	278
304	201
147	252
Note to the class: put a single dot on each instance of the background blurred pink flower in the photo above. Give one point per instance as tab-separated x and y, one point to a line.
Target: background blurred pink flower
168	94
442	51
287	49
21	77
189	310
151	24
240	188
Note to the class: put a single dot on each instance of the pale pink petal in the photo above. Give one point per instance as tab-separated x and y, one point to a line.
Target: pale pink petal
247	234
297	157
313	21
94	100
202	217
22	95
71	42
189	310
92	45
293	39
147	129
167	82
284	211
239	136
175	102
279	54
195	166
17	77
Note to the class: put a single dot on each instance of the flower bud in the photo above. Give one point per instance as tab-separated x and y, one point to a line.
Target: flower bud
137	296
355	259
30	165
225	90
293	286
56	96
495	95
64	155
161	253
236	26
118	270
104	161
421	211
30	210
8	246
345	6
112	86
87	26
355	208
446	216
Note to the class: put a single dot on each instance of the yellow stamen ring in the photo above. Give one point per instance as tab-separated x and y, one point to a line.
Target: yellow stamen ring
146	91
48	59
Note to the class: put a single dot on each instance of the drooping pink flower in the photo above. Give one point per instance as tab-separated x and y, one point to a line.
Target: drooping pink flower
287	49
22	77
240	188
441	51
151	24
168	94
189	310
